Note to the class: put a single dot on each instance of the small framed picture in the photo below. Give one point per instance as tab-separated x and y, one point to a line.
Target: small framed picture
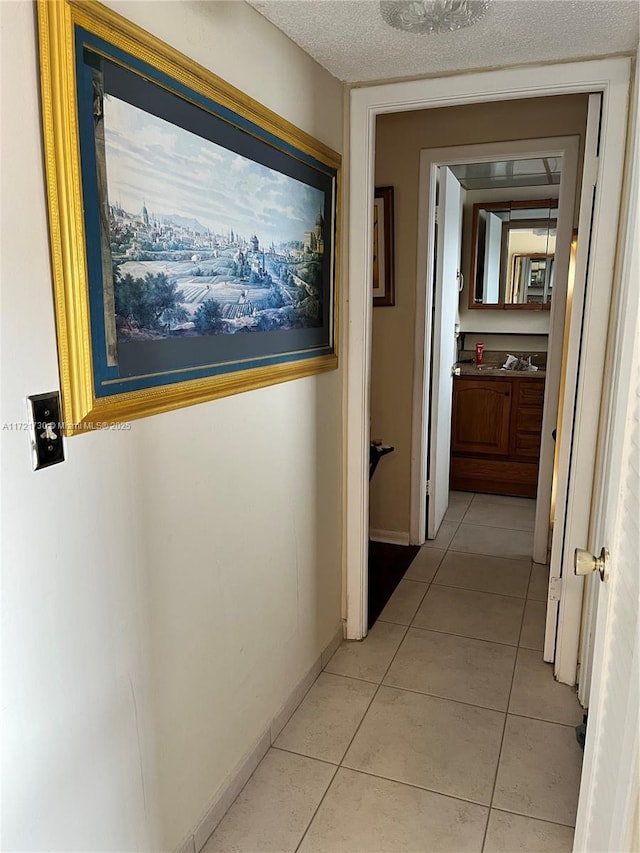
383	248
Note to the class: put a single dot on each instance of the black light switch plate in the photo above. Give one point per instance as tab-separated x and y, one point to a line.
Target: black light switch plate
46	430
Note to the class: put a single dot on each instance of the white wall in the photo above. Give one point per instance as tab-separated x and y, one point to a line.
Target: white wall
167	586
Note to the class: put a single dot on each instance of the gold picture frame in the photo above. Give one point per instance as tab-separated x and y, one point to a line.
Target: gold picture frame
149	305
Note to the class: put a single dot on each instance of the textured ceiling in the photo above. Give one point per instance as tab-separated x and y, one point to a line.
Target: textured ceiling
350	39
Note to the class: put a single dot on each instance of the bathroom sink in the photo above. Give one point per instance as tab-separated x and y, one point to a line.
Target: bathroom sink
519	364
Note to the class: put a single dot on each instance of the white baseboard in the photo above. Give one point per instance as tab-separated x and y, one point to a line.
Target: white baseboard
393	537
187	846
227	793
295	698
240	775
328	653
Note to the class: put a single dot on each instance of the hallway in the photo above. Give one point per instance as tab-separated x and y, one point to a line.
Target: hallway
443	730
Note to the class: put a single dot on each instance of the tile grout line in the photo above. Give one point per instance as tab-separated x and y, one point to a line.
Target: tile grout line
433	581
524	600
446	549
269	748
448	698
381	684
399	624
541	720
530	579
375	693
356	677
408	580
512	675
514	558
377	690
495	556
498	526
524	613
540	819
453	634
358	727
502	502
458	527
435	571
481	591
462	701
415	787
411	580
437	695
504	729
419	787
317	809
306	755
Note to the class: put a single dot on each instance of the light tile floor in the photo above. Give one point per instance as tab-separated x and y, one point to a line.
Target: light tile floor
443	731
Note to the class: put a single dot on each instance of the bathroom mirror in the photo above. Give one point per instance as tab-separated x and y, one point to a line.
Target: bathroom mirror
513	248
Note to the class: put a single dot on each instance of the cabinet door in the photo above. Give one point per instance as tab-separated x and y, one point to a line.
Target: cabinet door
481	416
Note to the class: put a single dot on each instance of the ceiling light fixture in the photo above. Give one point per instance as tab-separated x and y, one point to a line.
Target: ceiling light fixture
432	16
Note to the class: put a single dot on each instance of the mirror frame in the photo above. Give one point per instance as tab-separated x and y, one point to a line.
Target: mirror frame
502	205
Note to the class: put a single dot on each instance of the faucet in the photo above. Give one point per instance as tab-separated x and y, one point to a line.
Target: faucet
521	363
524	362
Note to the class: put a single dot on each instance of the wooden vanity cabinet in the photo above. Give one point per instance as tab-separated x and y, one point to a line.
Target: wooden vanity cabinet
495	437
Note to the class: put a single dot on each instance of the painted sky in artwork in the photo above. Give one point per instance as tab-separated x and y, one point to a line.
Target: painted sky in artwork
173	171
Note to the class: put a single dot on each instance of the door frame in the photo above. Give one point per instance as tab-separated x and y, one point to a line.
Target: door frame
566	147
609	76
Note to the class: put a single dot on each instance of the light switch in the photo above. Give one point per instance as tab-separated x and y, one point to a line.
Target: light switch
46	429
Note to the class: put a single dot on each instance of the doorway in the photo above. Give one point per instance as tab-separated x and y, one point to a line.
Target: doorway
528	188
610	77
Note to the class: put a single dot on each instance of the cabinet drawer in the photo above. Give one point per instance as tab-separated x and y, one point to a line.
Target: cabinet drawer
494	476
527	444
531	392
529	420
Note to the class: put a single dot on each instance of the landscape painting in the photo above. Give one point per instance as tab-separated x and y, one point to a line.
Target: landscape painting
194	232
202	240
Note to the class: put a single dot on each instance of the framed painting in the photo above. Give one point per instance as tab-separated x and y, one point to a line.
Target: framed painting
383	248
193	232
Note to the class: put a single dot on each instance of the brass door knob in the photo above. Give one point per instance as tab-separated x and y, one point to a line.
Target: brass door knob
584	563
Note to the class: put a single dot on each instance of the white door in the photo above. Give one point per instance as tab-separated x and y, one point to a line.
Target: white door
610	789
608	809
445	313
583	392
570	403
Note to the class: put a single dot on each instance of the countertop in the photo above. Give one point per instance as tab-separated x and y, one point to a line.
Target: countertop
493	361
491	370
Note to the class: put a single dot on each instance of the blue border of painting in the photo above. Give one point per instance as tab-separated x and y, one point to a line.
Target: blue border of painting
107	380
